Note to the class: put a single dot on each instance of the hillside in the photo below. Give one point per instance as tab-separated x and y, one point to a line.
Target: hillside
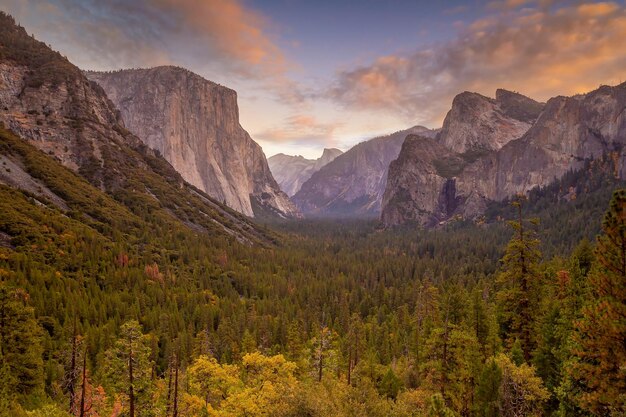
47	102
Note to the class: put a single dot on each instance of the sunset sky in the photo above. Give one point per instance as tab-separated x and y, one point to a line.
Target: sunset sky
315	74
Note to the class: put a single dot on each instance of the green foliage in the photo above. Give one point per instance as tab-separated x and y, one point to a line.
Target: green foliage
599	350
20	344
487	402
390	385
519	283
128	369
403	322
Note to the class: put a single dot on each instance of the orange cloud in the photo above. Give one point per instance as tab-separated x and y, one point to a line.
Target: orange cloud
542	53
232	29
302	129
209	36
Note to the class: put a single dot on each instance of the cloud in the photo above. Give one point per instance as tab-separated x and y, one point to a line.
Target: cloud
540	52
301	129
217	35
234	31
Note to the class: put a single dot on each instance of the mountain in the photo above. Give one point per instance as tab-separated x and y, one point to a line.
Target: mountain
567	132
477	123
292	171
48	103
194	124
353	184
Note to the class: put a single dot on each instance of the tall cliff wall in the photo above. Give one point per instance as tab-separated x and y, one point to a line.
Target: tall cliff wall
194	124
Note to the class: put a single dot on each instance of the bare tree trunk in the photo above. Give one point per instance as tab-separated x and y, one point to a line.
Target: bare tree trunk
72	372
176	363
83	384
131	392
168	405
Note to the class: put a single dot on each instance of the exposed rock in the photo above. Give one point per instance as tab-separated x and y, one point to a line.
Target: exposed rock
293	171
415	176
353	184
477	123
47	101
568	131
194	124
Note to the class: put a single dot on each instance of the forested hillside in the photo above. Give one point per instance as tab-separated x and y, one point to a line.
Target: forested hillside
110	309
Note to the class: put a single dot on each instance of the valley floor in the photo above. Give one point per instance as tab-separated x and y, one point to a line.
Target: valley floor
335	318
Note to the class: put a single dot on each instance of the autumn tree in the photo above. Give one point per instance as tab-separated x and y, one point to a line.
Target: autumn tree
269	387
600	336
522	393
212	381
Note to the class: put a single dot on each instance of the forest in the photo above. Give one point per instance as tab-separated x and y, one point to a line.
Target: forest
114	310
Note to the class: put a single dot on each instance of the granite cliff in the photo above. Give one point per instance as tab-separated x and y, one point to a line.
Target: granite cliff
432	181
292	171
477	123
353	183
194	124
47	101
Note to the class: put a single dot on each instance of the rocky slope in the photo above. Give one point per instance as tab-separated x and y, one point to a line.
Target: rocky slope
47	101
353	184
293	171
477	123
194	124
568	131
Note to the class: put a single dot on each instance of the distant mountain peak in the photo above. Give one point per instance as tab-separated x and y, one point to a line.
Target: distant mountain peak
353	183
292	171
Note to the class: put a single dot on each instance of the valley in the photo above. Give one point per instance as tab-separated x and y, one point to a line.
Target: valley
154	262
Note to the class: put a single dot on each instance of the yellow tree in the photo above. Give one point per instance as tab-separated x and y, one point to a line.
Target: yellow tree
269	388
522	393
211	381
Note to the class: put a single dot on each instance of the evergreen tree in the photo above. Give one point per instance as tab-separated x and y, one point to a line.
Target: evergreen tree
519	281
128	369
20	342
600	336
488	391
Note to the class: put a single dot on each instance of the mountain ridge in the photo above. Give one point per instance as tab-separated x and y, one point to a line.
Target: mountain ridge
194	124
292	171
353	183
48	103
568	131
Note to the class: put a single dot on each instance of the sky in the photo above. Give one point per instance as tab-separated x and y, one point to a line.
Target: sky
312	74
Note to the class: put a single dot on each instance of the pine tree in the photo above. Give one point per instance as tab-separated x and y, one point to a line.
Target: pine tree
519	283
20	341
488	391
600	336
128	368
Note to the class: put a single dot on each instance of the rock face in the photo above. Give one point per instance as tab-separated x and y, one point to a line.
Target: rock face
47	101
353	184
431	183
293	171
477	123
194	124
